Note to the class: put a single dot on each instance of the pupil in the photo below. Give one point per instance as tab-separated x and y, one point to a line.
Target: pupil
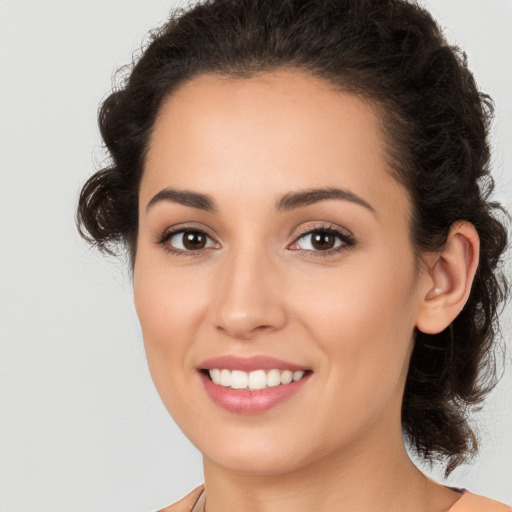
194	240
323	241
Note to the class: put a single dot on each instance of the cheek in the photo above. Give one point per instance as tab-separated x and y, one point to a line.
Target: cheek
169	305
363	296
365	344
166	298
362	318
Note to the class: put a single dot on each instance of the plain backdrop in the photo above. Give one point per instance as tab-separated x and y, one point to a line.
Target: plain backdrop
81	426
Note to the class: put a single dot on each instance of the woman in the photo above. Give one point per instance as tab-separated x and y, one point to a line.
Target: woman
304	189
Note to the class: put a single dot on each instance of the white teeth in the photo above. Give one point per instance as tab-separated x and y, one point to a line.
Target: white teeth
273	378
225	378
286	377
258	379
239	379
298	375
215	375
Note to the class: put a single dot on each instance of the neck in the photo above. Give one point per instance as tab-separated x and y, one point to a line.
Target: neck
352	481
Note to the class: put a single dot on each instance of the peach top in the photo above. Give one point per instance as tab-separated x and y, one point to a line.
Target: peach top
468	502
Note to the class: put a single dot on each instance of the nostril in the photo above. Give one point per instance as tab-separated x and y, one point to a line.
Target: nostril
244	332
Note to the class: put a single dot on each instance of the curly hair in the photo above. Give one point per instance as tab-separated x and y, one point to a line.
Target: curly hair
435	123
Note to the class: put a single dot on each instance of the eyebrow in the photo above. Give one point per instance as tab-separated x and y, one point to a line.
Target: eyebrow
290	201
184	197
306	197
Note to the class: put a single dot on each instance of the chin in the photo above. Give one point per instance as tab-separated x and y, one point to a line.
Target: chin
259	454
255	464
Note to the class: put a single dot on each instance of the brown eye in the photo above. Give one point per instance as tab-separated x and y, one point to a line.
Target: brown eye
194	240
190	240
322	241
319	240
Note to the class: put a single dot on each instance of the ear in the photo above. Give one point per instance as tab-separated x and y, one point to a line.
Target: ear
448	279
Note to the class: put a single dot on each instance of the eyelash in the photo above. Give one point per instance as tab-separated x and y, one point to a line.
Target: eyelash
347	241
167	235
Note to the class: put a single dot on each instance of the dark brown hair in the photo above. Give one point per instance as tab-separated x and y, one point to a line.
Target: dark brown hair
435	122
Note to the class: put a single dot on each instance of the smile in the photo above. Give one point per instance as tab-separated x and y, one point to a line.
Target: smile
251	385
255	380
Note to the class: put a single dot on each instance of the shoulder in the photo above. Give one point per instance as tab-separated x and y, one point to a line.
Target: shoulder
186	504
470	502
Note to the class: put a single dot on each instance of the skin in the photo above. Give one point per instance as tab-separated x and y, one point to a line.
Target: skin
260	287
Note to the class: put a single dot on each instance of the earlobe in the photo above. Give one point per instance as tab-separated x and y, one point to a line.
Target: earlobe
450	276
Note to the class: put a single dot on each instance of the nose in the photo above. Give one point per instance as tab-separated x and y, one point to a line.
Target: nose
248	298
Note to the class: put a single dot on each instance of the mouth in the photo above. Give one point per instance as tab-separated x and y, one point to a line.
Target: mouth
251	385
254	380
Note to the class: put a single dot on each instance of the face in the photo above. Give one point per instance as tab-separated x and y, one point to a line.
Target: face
274	245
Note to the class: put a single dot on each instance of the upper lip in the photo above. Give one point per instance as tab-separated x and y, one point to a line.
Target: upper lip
248	364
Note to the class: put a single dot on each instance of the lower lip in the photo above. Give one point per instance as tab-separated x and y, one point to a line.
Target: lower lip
243	401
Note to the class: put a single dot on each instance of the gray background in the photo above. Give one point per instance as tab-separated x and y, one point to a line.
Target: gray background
81	426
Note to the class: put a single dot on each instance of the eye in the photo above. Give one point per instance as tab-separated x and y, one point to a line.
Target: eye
186	240
323	239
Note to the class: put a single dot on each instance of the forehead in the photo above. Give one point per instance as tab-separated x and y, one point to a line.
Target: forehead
282	106
272	132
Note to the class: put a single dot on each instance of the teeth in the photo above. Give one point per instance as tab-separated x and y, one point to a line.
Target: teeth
298	375
225	378
258	379
286	377
273	378
215	375
239	379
